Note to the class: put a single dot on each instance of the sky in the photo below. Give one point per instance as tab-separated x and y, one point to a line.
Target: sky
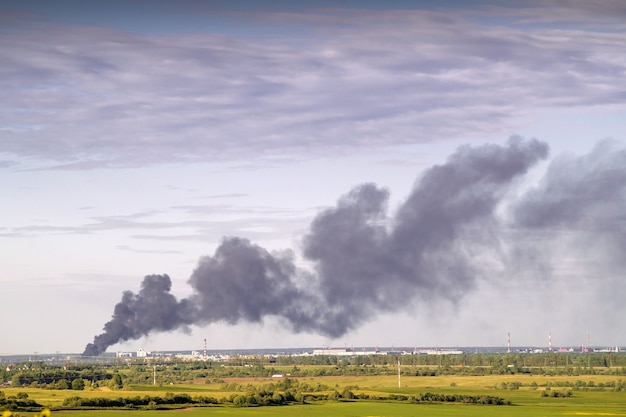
326	173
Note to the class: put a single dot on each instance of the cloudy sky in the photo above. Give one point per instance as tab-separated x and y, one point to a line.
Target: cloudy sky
163	137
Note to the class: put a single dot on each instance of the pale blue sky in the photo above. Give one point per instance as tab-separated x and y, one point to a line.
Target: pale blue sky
134	135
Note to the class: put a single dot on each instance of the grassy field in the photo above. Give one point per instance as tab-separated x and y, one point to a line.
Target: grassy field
527	400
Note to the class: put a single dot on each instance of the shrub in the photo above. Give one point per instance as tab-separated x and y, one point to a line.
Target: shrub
78	384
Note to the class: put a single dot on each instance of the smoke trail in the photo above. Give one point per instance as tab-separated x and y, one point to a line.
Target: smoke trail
153	308
365	261
579	208
243	281
588	190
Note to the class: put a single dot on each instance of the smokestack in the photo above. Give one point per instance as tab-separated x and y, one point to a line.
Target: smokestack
550	341
367	262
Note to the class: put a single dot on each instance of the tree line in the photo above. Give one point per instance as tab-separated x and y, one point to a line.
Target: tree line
20	401
285	392
140	372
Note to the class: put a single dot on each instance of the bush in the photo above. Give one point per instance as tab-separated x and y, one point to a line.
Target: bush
334	395
78	384
347	394
241	401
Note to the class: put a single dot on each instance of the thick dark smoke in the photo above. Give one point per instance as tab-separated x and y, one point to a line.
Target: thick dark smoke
153	308
365	262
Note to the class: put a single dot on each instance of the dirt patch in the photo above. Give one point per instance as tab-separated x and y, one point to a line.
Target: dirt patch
246	379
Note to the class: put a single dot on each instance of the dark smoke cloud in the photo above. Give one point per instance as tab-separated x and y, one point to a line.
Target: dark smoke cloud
153	308
586	192
365	261
243	281
581	203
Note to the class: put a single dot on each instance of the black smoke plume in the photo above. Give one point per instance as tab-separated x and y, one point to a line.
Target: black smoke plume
153	308
367	262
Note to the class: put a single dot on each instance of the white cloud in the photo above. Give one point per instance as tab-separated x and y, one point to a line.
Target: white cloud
86	97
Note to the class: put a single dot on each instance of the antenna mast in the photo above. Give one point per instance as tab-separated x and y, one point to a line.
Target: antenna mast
508	343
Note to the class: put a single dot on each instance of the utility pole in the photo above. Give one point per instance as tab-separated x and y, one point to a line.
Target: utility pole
399	385
154	375
508	343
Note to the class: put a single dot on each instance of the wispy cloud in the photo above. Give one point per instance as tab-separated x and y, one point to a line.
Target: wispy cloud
89	97
205	223
598	16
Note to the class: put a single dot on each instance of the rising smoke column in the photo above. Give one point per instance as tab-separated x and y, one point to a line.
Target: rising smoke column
152	309
243	282
365	262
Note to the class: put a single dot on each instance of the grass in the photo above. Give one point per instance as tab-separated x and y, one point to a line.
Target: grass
527	400
332	409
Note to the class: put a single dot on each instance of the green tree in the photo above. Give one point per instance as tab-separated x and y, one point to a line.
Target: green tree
278	398
241	401
17	380
78	384
116	382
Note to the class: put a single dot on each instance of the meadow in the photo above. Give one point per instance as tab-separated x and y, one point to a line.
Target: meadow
529	395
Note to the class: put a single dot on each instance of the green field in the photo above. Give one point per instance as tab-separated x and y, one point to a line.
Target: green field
526	397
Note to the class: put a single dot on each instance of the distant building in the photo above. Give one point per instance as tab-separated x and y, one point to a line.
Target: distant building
333	352
194	356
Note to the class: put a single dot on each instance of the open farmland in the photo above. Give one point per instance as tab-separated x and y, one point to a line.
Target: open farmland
423	391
